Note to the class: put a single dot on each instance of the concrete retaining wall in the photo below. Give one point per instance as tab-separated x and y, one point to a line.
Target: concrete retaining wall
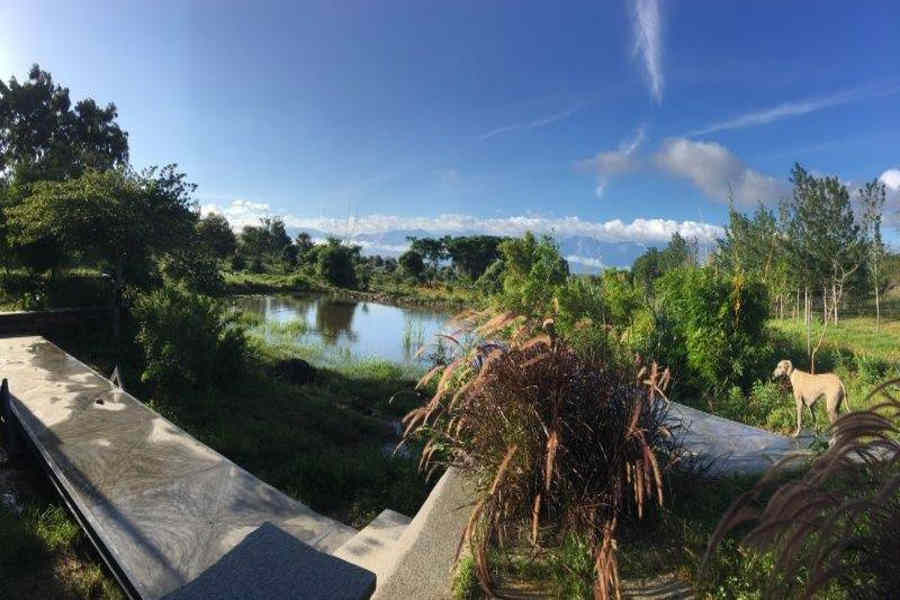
424	555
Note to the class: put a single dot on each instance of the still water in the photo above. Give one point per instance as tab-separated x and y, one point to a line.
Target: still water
343	326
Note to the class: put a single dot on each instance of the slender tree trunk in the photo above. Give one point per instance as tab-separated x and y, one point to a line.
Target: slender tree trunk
825	313
877	308
806	318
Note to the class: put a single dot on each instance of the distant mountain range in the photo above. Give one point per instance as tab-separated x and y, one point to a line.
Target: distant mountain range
585	254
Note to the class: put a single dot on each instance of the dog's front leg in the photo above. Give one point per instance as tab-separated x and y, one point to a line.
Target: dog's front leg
798	400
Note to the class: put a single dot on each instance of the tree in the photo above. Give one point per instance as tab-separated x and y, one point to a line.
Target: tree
871	200
216	235
432	249
43	137
117	216
471	255
534	270
335	263
266	240
412	263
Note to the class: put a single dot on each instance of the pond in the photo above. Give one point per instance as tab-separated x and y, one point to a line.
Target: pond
343	327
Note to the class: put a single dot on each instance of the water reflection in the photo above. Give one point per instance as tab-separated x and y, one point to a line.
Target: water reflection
345	325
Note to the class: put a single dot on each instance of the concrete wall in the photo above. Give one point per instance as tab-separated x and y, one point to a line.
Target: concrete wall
424	554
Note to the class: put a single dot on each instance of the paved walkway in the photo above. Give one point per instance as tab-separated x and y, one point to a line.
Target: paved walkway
165	507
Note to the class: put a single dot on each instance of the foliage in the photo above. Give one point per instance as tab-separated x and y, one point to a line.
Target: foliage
839	524
116	216
44	137
216	236
524	420
655	263
471	255
264	241
411	262
491	281
188	340
335	263
534	271
711	330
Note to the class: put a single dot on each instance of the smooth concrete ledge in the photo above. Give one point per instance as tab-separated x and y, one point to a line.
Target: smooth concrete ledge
162	508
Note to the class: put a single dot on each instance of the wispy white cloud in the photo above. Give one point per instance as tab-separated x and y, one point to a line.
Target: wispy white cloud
718	172
645	231
648	42
613	162
540	122
796	108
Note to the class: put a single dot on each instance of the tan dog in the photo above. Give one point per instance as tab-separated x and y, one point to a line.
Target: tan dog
809	388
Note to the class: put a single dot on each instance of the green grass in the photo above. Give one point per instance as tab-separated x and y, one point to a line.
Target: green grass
43	552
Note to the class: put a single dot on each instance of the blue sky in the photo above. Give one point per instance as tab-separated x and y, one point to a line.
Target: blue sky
620	120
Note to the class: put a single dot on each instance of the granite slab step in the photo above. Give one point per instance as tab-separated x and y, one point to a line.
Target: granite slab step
373	547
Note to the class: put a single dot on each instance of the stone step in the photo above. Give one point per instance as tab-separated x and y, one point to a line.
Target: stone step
373	547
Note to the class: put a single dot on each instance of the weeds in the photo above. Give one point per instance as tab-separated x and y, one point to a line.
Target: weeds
839	525
556	444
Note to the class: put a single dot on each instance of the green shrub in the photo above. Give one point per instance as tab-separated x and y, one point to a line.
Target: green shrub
712	330
534	272
188	339
870	368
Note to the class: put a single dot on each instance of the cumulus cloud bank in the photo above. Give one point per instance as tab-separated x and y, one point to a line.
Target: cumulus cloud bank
644	231
717	172
891	181
648	42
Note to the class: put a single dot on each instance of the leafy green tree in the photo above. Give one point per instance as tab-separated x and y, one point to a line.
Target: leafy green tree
216	235
117	217
654	263
335	263
265	241
871	200
44	137
534	271
289	255
412	263
430	248
471	255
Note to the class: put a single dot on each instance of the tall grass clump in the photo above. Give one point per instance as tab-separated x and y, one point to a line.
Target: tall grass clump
838	526
556	443
188	340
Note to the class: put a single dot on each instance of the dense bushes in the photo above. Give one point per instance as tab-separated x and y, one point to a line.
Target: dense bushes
710	331
187	340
